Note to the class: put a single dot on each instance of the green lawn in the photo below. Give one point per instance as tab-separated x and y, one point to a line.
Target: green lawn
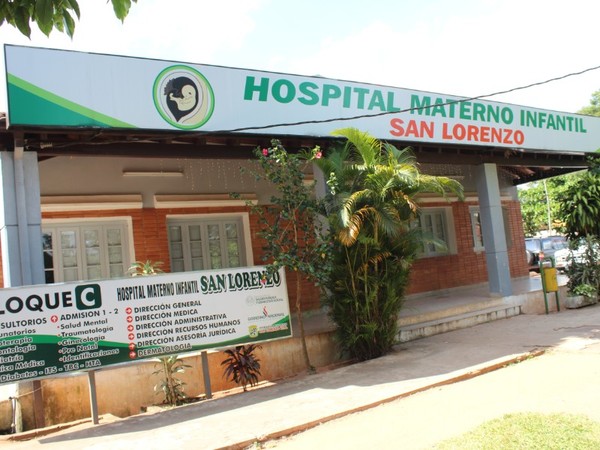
530	431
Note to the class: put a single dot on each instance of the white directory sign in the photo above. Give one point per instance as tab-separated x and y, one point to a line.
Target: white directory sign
53	329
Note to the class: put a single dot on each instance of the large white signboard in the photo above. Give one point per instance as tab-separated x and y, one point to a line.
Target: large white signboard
57	88
53	329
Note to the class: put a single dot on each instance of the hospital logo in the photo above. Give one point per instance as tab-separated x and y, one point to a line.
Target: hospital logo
183	97
253	331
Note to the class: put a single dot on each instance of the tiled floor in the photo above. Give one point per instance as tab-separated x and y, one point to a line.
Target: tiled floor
431	304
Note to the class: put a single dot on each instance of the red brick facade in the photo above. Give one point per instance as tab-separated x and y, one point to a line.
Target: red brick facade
468	266
428	274
151	242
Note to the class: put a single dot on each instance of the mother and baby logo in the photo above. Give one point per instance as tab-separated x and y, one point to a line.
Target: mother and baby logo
183	97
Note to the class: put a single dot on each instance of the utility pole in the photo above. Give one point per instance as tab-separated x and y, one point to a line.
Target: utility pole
548	207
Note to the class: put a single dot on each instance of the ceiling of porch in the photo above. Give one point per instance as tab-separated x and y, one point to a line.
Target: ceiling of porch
521	166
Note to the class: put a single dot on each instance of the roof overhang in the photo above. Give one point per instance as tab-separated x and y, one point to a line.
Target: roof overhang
75	103
522	166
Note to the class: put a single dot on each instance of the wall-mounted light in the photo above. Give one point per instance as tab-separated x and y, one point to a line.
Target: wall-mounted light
151	173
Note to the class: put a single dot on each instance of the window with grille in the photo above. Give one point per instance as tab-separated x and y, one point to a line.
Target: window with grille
476	229
477	232
85	251
206	243
437	227
433	226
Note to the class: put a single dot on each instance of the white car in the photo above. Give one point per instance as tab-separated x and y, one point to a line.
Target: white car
546	246
563	257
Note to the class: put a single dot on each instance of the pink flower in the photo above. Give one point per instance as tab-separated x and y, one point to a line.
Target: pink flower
318	155
265	152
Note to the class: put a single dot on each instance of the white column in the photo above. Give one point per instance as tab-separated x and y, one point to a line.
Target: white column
21	219
21	237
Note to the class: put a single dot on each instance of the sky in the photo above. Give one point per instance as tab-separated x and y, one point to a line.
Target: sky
460	48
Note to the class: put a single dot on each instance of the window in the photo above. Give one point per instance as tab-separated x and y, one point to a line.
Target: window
436	223
476	228
477	231
85	251
206	243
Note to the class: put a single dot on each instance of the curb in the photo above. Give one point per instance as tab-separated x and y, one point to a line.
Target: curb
456	379
40	432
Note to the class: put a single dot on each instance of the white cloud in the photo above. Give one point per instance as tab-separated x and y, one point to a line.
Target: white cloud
471	53
464	47
180	30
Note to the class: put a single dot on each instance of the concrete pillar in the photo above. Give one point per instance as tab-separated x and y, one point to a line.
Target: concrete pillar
21	239
492	227
21	219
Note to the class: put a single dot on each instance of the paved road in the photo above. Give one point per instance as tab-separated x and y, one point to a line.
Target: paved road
557	380
564	380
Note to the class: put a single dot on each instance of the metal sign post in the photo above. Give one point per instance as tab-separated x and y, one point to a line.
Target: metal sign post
206	375
93	398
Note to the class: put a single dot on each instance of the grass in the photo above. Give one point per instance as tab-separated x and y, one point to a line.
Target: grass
530	431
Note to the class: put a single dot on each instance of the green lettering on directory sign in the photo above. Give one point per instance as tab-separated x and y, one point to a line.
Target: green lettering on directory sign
47	330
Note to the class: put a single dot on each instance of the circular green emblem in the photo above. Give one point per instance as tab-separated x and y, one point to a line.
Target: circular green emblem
183	97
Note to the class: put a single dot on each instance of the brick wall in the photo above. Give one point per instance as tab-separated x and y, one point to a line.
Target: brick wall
467	266
428	274
151	242
308	292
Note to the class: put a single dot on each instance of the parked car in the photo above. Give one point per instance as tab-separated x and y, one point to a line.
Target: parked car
564	257
546	246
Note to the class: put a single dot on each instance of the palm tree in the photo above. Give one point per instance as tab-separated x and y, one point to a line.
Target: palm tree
372	208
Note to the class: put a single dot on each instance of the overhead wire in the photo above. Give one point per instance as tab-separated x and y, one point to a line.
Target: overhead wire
385	113
360	116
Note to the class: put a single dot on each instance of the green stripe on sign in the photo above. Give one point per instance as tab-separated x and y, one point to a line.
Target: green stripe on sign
31	105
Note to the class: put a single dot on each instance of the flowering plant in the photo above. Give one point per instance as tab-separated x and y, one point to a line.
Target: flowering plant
293	234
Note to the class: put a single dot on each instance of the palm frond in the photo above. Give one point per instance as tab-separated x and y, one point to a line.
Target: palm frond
374	206
365	146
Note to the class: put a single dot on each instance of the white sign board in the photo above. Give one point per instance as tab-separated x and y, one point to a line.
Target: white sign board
58	88
52	329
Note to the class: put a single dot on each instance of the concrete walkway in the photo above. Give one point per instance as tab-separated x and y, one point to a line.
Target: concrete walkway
237	421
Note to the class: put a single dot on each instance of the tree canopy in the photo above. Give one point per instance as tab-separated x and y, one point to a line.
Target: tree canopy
566	195
534	203
50	14
593	109
581	206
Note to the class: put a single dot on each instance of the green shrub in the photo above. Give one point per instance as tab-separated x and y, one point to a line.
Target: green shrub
372	210
171	386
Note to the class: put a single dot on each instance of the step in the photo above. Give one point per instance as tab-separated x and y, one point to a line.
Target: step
454	322
425	311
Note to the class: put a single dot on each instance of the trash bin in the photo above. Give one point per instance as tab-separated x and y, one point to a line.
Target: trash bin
550	279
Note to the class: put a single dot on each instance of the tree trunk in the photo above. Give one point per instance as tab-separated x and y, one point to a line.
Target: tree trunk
310	369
